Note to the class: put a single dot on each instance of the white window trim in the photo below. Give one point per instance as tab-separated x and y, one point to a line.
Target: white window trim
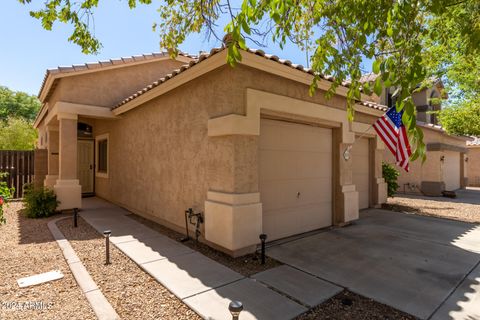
97	139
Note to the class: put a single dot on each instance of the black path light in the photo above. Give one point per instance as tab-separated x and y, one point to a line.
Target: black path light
263	238
107	234
75	217
235	307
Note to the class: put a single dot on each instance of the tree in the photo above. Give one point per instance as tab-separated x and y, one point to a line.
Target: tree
397	34
458	63
462	119
17	134
17	104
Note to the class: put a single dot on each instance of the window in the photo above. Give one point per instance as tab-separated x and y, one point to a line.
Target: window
102	156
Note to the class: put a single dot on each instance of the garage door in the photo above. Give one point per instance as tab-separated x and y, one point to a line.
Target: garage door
451	170
295	177
361	171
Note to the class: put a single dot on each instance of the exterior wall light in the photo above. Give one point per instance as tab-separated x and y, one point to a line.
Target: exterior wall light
346	153
442	159
466	159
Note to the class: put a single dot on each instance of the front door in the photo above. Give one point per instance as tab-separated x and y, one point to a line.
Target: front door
85	165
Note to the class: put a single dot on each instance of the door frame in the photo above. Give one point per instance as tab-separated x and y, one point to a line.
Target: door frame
92	141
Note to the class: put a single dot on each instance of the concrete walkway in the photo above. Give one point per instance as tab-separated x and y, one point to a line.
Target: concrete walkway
203	284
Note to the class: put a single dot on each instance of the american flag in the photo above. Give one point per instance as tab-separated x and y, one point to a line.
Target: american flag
392	131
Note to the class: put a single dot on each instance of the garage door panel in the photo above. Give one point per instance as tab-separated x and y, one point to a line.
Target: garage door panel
280	165
361	171
305	219
277	195
295	158
451	170
279	135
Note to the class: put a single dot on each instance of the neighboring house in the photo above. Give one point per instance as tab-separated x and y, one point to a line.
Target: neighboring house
247	145
473	162
445	167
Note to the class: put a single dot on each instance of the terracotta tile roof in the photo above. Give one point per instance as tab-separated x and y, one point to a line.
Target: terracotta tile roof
106	63
474	142
373	105
214	51
367	77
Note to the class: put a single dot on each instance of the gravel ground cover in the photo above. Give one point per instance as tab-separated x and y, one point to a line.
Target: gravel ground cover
28	248
133	293
246	265
348	305
435	207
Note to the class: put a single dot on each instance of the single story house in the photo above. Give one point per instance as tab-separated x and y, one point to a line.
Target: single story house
247	146
473	162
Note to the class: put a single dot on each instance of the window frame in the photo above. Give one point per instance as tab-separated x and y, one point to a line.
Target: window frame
98	139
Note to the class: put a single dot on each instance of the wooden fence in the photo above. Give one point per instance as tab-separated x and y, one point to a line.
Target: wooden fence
20	168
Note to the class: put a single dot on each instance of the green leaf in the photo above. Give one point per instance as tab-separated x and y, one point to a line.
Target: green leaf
389	31
376	66
377	88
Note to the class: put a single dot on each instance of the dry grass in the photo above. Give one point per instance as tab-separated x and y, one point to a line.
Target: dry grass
246	265
133	293
435	207
348	305
28	248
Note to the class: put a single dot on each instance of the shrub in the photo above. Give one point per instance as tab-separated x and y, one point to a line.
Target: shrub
390	174
39	202
5	194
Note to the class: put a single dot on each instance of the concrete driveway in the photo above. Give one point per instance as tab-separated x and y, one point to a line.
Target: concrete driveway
424	266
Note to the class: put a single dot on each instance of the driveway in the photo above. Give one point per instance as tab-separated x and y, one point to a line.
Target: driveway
465	207
424	266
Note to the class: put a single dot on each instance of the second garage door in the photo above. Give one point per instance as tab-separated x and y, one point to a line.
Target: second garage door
361	171
451	170
295	177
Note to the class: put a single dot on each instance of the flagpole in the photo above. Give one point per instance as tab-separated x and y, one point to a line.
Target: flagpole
364	132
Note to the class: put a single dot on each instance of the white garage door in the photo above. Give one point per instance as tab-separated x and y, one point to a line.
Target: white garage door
451	170
295	178
361	171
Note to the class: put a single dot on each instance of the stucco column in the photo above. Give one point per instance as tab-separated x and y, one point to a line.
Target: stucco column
67	187
463	171
379	186
345	204
233	212
53	152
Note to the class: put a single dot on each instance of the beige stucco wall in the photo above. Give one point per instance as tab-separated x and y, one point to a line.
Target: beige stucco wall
432	169
473	166
161	158
107	88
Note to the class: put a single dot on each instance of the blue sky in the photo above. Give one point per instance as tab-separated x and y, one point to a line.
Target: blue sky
27	50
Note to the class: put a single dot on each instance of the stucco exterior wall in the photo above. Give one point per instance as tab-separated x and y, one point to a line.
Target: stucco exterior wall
473	166
107	88
161	158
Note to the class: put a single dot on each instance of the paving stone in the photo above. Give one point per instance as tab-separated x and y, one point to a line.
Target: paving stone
156	248
102	308
259	302
190	274
303	287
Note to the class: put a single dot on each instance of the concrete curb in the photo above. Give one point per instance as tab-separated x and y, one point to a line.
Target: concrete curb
100	305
